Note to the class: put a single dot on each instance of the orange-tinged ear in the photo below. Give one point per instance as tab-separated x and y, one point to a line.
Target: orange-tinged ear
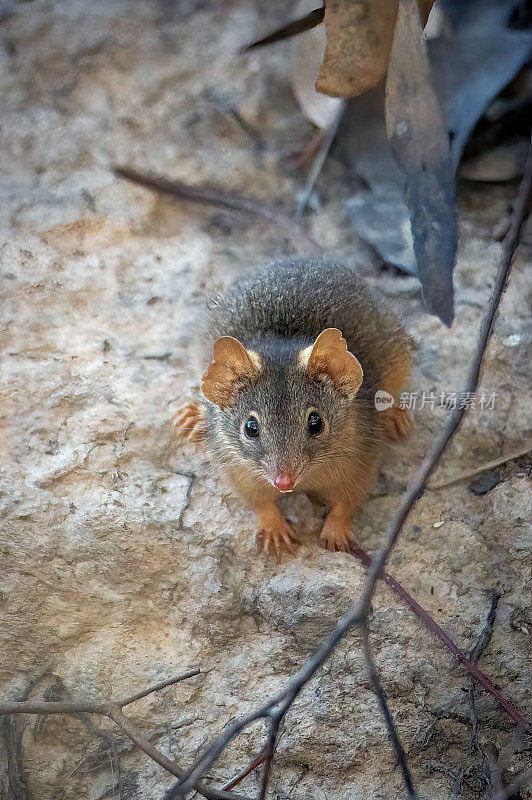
232	364
329	357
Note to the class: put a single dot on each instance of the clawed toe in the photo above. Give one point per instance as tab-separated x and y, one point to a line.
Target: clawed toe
277	541
337	540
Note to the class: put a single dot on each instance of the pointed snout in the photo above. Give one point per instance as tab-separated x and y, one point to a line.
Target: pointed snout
284	483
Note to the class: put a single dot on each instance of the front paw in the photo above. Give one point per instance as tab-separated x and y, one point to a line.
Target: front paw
337	538
276	539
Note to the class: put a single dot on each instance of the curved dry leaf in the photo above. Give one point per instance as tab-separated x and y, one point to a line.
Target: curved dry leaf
306	57
359	42
473	58
420	145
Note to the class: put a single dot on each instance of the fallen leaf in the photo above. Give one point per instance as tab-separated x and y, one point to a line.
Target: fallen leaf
420	144
310	20
475	56
473	61
306	57
378	214
359	41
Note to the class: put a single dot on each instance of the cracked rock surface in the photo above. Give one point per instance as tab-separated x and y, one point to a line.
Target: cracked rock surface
123	557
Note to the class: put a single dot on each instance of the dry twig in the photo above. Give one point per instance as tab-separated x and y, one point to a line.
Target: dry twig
328	137
496	462
480	646
113	710
306	23
383	703
273	734
15	777
221	198
257	761
431	625
491	759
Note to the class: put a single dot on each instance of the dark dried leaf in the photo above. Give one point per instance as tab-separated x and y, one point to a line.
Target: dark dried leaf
486	482
420	145
306	23
378	214
464	84
472	62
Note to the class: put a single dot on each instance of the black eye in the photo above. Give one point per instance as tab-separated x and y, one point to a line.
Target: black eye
251	428
314	423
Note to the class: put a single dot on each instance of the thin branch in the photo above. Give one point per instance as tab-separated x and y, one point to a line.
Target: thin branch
15	777
257	761
123	722
158	686
497	462
481	644
271	744
89	707
430	623
294	28
59	707
113	710
206	194
491	759
390	724
359	612
78	766
205	761
328	138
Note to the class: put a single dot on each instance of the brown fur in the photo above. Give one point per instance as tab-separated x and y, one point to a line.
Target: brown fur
232	364
300	336
330	356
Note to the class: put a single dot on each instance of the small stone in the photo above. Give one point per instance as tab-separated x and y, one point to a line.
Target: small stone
486	482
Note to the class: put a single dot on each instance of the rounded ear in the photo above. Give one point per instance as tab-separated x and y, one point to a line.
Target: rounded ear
232	364
329	357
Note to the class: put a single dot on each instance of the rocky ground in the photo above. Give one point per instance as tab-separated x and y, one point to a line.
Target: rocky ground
123	558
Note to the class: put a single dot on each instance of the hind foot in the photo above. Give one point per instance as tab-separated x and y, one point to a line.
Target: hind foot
396	423
189	422
336	534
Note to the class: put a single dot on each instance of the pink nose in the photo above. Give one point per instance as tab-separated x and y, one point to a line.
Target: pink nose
284	483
